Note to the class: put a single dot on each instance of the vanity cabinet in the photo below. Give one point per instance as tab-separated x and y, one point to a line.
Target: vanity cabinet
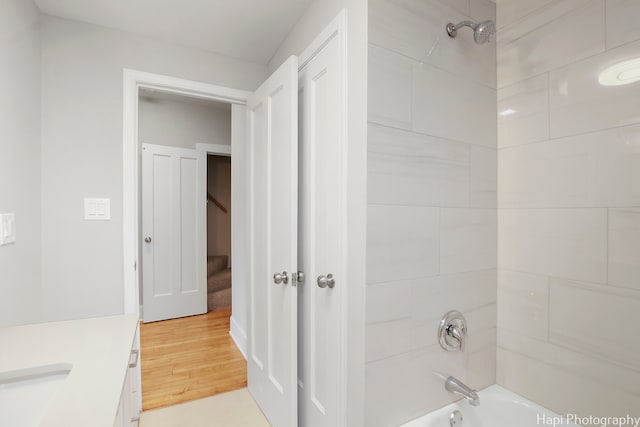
130	401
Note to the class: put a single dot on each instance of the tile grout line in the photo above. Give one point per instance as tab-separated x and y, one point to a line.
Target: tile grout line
503	208
561	208
548	106
529	14
574	135
606	265
606	44
445	275
548	284
439	241
413	132
578	283
541	10
469	168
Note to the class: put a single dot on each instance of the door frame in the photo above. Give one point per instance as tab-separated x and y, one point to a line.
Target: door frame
239	201
133	81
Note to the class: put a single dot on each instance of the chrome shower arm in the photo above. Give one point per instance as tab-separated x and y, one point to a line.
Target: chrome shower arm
452	29
470	24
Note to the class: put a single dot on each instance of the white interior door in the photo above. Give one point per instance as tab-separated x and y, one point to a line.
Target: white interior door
173	233
320	235
272	131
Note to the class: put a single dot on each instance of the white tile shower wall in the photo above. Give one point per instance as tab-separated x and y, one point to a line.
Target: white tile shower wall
523	112
468	240
569	206
483	177
451	106
578	103
510	11
568	243
596	169
599	306
575	30
390	77
622	22
408	168
624	248
402	242
432	195
523	304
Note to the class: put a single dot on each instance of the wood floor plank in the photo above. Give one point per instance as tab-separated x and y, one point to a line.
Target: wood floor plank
189	358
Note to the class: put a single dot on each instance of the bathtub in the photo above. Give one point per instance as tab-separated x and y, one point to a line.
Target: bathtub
498	408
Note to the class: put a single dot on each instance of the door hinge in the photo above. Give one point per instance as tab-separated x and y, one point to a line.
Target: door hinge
135	265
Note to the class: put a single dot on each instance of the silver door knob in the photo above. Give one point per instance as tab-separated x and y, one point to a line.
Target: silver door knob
328	280
281	278
147	239
298	277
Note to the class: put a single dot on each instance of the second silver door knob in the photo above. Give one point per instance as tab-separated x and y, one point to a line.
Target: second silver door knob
326	281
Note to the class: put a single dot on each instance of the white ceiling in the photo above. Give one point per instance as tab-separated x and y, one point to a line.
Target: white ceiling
246	29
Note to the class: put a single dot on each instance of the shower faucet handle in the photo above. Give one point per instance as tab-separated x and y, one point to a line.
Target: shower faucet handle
452	331
457	333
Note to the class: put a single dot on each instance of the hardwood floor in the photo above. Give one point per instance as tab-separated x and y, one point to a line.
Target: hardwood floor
189	358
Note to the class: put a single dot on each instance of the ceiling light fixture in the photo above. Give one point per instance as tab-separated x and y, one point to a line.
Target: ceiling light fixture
622	73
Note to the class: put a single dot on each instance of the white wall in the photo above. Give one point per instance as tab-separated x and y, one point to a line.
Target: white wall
20	263
183	122
315	19
432	220
569	198
82	152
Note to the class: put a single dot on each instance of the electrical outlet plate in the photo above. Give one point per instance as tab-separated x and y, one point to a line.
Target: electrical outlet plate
7	228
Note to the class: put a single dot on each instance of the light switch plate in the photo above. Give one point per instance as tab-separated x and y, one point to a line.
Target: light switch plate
7	228
97	209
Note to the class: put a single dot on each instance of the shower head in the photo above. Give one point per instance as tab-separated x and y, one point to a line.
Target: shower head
482	31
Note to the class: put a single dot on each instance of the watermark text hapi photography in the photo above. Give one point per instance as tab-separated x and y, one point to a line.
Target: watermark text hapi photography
588	421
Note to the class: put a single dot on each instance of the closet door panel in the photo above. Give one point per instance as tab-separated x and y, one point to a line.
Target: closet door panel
272	130
320	233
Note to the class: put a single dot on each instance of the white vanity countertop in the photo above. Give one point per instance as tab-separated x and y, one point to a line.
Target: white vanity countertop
98	350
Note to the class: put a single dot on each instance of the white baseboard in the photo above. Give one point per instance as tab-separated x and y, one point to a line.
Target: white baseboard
239	336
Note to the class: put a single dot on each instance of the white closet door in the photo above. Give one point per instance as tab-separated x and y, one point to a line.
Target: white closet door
173	240
320	251
272	131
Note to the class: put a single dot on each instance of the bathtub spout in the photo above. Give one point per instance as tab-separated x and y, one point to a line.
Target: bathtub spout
456	386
